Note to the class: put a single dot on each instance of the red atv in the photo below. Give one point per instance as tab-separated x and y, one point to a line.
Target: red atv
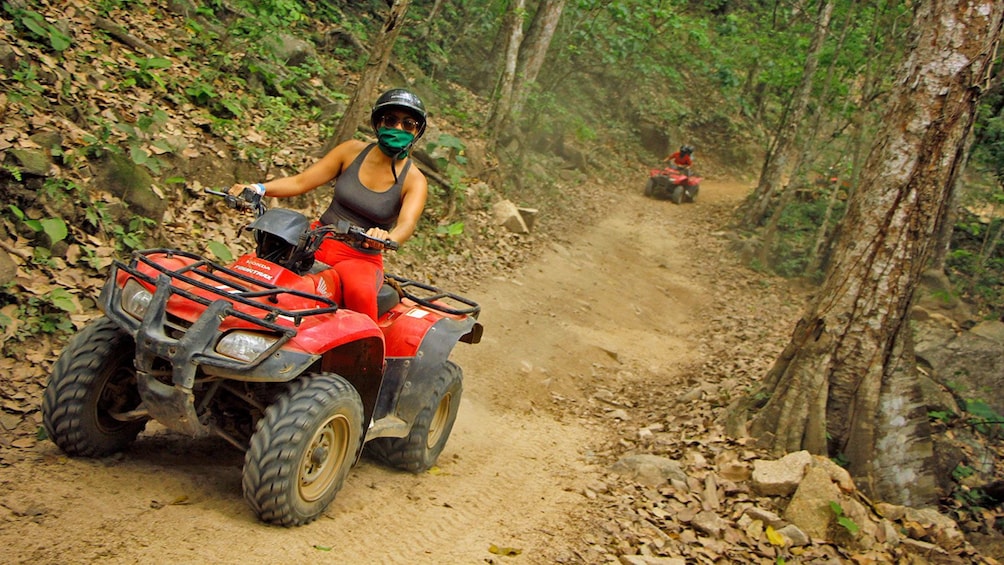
676	185
259	352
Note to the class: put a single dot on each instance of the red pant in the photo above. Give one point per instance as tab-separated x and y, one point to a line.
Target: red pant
361	275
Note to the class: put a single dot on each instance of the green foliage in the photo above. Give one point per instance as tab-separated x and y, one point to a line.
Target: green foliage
201	93
794	241
451	230
841	459
983	418
974	265
144	74
220	251
106	7
35	314
962	471
54	228
844	521
13	170
37	26
943	416
26	90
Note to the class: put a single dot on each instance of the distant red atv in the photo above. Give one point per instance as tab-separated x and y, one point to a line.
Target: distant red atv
260	353
672	184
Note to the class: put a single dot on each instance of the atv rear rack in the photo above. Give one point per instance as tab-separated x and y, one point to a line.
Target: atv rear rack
433	297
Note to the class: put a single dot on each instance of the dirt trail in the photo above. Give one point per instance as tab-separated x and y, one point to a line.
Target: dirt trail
617	301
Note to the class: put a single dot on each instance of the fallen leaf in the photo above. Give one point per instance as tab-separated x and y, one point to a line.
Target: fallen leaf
774	538
507	551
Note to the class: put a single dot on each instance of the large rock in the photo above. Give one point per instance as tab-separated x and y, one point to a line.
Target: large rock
514	218
809	508
780	477
133	184
35	162
650	470
968	361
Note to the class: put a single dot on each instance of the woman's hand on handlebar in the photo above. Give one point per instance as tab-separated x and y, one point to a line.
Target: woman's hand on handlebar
238	189
376	234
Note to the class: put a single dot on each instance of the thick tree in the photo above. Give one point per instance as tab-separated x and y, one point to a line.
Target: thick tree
511	35
524	56
533	51
847	383
784	144
376	64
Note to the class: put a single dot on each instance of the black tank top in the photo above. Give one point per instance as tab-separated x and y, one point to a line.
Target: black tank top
360	205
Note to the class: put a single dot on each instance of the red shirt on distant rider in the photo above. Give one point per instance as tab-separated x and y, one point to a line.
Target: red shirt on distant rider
681	158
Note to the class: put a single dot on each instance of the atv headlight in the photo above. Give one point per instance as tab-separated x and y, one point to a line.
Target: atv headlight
245	346
135	299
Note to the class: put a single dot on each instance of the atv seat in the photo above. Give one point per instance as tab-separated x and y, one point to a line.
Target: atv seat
387	298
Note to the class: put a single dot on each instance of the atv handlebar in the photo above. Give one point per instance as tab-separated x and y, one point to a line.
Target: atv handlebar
343	230
248	201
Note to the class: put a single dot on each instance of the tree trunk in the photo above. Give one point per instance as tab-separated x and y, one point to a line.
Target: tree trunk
376	64
533	52
847	382
771	179
502	96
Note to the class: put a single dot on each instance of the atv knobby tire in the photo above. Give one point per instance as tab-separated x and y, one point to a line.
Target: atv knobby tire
690	193
419	450
650	187
676	194
302	450
92	382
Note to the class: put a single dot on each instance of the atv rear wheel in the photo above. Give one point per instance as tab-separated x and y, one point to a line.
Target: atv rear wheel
302	450
419	450
90	392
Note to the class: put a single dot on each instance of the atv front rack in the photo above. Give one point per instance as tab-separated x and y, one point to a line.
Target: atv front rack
227	286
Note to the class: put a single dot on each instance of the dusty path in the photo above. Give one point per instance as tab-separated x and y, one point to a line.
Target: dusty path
619	300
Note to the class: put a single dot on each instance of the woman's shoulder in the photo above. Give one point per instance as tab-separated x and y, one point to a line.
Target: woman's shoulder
351	147
416	178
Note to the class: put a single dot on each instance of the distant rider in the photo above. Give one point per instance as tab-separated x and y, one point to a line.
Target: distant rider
682	159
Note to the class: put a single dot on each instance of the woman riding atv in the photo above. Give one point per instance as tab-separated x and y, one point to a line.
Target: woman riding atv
375	190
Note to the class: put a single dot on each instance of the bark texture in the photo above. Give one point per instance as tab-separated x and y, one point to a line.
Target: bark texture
502	96
847	384
784	146
376	64
534	50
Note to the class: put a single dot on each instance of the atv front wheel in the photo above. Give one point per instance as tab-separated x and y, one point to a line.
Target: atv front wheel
676	194
650	186
302	450
690	193
419	450
90	392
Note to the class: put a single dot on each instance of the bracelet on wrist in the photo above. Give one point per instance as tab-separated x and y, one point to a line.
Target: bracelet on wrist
259	188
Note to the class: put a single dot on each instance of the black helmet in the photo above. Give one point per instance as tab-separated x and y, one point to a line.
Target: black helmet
686	150
277	233
402	99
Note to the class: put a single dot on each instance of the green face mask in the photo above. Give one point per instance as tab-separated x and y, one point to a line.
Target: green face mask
393	142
